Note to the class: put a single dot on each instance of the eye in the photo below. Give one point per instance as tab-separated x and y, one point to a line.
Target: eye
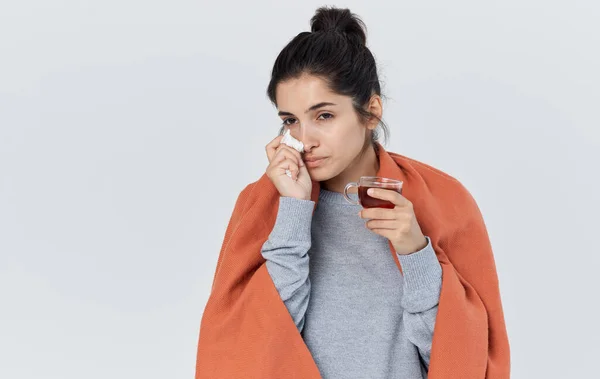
326	114
285	122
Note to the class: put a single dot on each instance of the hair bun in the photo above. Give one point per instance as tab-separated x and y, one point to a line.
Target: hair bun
328	19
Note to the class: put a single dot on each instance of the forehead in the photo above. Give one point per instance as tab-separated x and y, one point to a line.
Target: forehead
302	92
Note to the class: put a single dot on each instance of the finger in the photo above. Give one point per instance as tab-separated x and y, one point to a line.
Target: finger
277	159
282	151
280	156
389	195
288	164
382	224
280	164
291	153
378	213
272	147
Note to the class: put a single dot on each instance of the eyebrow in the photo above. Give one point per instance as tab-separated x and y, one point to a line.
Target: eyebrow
316	106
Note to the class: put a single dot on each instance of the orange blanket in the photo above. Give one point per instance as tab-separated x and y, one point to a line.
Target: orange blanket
247	332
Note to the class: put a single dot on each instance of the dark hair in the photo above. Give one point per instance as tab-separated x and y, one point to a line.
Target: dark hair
334	50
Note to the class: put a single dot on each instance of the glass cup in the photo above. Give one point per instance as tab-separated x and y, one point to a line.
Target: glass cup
366	182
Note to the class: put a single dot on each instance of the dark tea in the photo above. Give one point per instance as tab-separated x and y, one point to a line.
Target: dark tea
366	182
370	202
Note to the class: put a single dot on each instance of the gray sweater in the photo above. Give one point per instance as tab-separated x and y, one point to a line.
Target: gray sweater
359	315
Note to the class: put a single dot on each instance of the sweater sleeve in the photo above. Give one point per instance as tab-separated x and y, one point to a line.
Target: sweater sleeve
286	255
422	274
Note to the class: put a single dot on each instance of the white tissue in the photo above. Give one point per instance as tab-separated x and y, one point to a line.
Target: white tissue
293	143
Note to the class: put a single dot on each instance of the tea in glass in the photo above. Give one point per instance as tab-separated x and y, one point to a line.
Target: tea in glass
366	182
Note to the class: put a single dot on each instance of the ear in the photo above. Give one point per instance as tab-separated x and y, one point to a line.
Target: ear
375	107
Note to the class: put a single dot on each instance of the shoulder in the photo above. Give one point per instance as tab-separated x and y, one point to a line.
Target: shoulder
252	191
247	190
245	194
440	184
430	172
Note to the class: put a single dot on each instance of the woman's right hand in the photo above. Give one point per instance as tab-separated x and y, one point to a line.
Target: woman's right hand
282	157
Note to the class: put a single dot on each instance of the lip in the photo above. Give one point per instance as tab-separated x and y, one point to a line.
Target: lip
314	162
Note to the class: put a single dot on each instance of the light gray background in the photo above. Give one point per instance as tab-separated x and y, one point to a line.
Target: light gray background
127	129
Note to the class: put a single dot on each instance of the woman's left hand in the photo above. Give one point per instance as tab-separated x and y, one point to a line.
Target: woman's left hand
399	224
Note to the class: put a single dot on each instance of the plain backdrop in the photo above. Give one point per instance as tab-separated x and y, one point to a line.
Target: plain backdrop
128	128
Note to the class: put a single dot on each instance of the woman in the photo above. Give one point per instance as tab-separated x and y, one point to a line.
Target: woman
305	284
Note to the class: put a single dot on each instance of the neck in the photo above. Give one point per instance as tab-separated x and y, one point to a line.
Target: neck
365	164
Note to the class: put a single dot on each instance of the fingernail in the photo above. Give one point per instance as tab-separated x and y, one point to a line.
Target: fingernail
370	191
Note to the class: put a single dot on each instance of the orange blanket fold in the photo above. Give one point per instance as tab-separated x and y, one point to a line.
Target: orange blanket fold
247	332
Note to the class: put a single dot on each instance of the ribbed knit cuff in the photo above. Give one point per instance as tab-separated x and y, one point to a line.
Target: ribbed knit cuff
422	278
294	220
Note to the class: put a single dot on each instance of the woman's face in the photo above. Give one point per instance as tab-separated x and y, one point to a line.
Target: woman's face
325	122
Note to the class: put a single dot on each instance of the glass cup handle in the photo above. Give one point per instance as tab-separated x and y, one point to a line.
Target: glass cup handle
348	199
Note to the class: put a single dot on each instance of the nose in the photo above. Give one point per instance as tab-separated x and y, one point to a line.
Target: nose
307	135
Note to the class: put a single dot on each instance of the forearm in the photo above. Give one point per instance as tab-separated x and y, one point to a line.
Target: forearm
422	284
286	255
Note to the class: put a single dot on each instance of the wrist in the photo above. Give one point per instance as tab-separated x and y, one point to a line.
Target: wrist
298	197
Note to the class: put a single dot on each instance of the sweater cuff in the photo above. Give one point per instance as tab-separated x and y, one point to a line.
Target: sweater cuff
294	219
422	274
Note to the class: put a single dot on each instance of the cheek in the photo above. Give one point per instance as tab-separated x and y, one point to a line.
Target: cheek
346	145
354	140
348	136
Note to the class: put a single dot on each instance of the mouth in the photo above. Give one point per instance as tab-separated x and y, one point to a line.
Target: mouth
314	162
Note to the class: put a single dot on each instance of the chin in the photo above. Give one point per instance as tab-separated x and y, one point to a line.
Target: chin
321	174
317	174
